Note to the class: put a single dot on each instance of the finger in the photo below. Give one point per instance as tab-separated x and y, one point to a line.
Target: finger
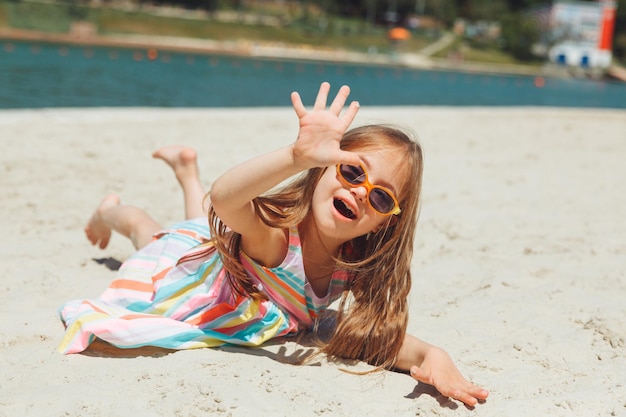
464	397
340	99
350	114
322	96
419	375
472	389
478	392
468	395
349	158
296	102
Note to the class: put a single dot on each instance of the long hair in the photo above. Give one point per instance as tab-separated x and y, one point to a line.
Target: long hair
373	314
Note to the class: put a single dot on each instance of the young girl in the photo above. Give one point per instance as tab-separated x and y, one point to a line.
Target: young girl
270	260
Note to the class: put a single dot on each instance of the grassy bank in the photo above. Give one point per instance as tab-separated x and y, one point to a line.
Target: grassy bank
57	18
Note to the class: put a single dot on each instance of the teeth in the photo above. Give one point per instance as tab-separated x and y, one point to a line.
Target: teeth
344	209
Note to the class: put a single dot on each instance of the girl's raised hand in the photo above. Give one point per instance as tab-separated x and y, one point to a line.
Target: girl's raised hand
321	129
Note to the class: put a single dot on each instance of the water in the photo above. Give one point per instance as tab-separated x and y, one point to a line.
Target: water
46	75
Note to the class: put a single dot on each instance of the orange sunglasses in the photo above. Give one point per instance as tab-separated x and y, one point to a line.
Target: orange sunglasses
381	199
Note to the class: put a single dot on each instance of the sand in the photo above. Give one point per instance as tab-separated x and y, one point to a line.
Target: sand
520	265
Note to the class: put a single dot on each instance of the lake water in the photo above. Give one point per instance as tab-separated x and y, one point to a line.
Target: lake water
47	75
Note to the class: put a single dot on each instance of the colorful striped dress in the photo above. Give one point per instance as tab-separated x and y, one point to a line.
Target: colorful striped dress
174	294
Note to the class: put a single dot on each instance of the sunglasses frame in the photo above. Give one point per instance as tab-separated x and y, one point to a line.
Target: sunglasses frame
369	187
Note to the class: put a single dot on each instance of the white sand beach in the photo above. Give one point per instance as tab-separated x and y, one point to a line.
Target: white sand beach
519	269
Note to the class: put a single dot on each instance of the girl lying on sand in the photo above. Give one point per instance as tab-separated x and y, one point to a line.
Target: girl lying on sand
267	261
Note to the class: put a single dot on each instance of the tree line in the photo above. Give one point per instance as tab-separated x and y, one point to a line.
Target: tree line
519	28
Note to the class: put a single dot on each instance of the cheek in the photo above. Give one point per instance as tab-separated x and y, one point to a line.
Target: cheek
321	191
322	194
378	226
326	185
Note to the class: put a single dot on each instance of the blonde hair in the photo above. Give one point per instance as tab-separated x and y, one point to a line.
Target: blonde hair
371	323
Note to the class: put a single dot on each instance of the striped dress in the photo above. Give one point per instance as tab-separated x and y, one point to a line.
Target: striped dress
174	294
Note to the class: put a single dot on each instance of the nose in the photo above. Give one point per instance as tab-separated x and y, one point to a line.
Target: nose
360	192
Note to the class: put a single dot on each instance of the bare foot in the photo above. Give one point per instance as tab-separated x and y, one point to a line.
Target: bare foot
181	159
97	230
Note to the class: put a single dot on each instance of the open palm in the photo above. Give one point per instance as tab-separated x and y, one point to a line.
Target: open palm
321	129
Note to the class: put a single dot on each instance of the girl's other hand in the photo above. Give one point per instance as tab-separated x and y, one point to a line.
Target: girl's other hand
438	370
321	129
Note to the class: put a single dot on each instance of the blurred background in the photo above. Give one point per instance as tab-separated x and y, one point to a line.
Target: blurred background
192	53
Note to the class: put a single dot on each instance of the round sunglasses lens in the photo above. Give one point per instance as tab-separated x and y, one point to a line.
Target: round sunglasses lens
381	200
353	174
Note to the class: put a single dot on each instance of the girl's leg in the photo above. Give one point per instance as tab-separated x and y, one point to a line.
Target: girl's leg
129	221
183	161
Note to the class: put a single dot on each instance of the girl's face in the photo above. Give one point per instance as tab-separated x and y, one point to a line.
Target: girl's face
342	212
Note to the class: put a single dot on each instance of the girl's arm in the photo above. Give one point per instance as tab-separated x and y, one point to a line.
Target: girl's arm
232	194
432	365
317	145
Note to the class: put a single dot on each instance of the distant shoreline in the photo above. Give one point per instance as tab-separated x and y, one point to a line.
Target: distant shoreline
268	50
301	52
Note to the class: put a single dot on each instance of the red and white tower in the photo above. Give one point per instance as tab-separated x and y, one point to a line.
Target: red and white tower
605	38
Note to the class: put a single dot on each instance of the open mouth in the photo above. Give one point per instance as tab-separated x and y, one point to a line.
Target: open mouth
343	209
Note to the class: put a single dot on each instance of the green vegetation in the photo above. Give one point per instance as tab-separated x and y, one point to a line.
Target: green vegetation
350	34
37	16
4	20
489	55
482	52
478	52
114	21
356	25
518	36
